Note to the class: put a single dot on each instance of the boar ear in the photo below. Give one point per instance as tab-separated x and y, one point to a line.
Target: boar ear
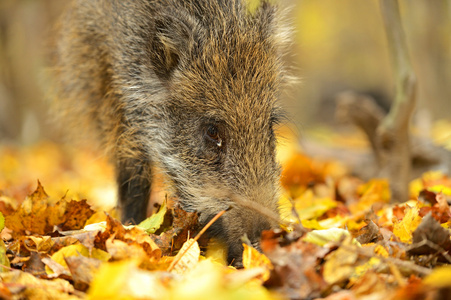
274	23
174	40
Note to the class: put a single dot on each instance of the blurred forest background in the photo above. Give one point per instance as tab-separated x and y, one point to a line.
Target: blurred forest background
338	45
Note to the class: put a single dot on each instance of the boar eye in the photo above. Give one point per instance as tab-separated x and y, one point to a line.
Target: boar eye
213	135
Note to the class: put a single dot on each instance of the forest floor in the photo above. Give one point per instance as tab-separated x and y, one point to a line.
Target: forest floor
341	237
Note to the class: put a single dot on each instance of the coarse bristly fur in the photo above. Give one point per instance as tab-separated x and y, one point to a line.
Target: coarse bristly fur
188	86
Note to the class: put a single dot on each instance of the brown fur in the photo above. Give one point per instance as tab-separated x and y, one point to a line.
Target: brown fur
189	86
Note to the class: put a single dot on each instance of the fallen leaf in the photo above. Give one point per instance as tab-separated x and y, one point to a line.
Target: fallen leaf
82	270
325	236
33	288
404	229
429	231
153	223
56	269
374	191
369	233
341	295
76	250
124	280
254	259
4	261
340	264
75	215
120	250
183	227
34	265
370	283
209	280
439	278
187	257
308	206
2	221
129	235
34	214
294	274
38	243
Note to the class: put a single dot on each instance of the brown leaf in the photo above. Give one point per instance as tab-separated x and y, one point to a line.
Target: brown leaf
429	234
76	214
34	214
427	196
295	267
60	242
82	269
369	233
39	214
440	209
55	267
134	235
34	265
341	295
184	226
88	238
5	206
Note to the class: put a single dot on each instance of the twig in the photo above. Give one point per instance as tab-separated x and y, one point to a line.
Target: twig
6	267
433	246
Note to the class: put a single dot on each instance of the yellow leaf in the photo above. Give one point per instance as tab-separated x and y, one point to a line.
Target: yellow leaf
374	191
322	237
39	243
120	250
340	264
312	224
308	206
209	280
124	280
434	181
380	250
415	187
35	288
4	261
254	259
404	229
97	217
217	251
446	190
440	277
75	250
2	221
360	270
334	222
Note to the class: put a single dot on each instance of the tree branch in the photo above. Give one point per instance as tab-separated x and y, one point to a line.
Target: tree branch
392	140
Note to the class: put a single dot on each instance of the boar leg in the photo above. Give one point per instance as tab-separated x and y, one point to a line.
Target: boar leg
134	181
